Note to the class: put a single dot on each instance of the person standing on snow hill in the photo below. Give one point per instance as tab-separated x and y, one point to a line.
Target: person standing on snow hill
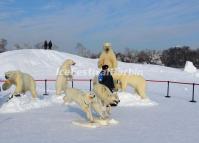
106	78
50	45
45	44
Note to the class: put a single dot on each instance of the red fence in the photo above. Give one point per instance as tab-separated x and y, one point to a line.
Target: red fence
177	82
157	81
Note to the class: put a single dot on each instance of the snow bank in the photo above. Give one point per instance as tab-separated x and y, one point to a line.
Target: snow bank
128	99
189	67
25	103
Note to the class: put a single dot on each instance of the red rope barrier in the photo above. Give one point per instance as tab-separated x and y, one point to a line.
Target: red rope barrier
156	81
181	82
172	82
53	80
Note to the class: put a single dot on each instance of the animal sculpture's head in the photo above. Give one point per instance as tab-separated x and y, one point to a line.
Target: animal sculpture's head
89	97
69	62
66	68
114	99
107	47
11	75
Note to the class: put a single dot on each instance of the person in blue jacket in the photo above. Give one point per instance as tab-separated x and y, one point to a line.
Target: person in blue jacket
106	78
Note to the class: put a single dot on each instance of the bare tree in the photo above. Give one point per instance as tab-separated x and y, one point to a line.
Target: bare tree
82	51
17	46
177	56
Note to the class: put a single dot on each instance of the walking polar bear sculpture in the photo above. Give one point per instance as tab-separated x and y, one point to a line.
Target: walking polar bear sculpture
83	99
107	57
106	97
23	82
123	80
63	76
99	100
135	81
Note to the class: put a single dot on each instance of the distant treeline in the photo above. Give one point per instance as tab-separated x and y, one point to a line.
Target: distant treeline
173	57
177	56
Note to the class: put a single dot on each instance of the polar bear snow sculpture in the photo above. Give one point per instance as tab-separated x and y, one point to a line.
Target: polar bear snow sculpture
63	76
107	57
23	82
135	81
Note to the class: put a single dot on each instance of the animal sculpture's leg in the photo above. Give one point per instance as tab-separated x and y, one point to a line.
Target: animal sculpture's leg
89	115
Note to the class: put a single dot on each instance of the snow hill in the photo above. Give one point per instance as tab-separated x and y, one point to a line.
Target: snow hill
44	64
47	120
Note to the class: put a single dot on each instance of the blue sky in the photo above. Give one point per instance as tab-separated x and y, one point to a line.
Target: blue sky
144	24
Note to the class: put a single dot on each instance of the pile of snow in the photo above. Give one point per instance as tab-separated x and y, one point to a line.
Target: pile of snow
189	67
26	103
128	99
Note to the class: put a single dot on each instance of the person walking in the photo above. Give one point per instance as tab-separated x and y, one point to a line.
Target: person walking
50	45
45	45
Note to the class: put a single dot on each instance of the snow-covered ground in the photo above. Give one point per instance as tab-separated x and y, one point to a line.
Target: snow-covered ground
47	120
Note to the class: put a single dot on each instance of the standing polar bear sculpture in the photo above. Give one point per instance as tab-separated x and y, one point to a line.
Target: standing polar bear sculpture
63	76
23	82
107	57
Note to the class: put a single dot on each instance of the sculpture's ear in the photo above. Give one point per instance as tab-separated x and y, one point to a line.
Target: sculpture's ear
6	85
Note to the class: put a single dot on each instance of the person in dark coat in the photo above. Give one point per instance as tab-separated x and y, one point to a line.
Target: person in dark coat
45	45
50	45
106	78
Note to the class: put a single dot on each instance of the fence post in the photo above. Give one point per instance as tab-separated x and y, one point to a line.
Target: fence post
45	87
167	96
72	83
193	100
90	84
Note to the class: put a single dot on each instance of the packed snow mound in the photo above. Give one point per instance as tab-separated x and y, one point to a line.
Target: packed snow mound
26	103
128	99
43	64
189	67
